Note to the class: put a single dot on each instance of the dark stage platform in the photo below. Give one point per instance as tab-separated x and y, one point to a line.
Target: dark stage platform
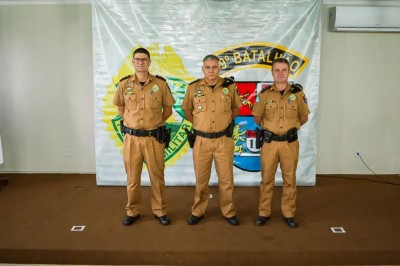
37	212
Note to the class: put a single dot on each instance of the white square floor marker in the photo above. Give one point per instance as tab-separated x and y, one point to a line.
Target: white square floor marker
78	228
338	230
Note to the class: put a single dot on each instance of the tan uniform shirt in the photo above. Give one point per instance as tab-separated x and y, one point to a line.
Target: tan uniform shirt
143	105
211	108
280	112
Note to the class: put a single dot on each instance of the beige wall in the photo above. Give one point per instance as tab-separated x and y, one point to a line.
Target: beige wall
359	102
47	101
46	94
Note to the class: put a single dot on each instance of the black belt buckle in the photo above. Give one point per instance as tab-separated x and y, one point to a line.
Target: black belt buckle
140	133
281	138
213	135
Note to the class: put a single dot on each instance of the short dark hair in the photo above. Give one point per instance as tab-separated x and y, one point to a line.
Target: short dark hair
280	60
210	57
141	51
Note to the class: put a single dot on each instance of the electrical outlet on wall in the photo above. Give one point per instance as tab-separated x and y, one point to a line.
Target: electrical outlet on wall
67	152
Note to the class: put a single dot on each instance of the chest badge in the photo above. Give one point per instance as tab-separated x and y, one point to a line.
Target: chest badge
155	88
199	92
199	107
225	90
292	97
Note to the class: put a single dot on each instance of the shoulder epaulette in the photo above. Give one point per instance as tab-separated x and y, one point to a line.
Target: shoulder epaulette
228	81
265	89
160	77
125	78
194	81
296	88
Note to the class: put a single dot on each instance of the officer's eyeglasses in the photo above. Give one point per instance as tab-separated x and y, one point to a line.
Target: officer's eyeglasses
142	60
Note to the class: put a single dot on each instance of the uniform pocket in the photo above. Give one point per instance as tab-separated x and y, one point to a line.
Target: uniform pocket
130	101
291	111
200	104
155	103
227	103
271	109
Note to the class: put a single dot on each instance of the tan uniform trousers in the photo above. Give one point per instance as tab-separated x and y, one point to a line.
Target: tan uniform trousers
204	151
287	154
137	149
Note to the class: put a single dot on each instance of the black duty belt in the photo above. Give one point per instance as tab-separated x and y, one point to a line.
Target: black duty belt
140	132
210	135
279	137
289	137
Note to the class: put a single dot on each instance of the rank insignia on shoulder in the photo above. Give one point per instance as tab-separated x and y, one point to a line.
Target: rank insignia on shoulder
228	81
194	81
126	77
160	77
264	87
296	88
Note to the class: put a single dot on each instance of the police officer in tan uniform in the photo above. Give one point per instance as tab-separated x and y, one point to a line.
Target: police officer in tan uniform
280	110
211	104
144	102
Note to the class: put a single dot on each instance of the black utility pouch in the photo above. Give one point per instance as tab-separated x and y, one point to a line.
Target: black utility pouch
259	138
292	135
229	130
268	136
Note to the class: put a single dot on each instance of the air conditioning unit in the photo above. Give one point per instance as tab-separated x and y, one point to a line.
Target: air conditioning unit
364	18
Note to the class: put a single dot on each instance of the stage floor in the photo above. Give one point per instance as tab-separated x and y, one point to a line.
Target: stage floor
37	212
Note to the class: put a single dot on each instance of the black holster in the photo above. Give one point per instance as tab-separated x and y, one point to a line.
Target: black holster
167	137
162	134
292	135
259	138
229	130
122	127
191	137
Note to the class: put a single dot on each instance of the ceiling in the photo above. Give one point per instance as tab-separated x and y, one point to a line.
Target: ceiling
327	2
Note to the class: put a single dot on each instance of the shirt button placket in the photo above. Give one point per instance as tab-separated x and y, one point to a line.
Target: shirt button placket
142	110
213	106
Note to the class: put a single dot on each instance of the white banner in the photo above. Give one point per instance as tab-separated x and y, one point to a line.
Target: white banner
245	35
